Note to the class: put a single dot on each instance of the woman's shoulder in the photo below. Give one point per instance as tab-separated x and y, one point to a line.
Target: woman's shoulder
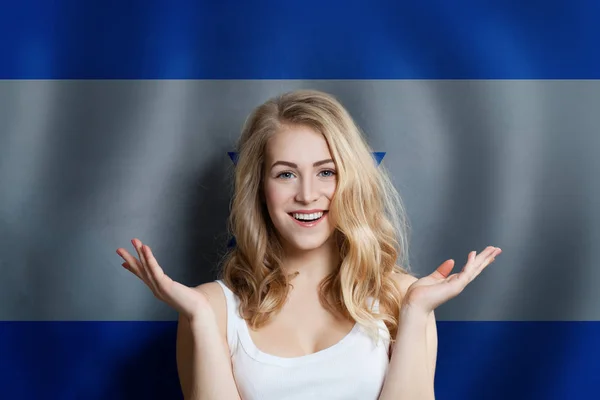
213	291
403	280
216	297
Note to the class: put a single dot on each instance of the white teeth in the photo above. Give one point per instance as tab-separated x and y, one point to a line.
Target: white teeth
308	216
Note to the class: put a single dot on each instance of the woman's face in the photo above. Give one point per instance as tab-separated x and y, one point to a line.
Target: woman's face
299	183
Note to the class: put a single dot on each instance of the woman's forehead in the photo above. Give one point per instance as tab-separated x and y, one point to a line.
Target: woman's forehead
298	145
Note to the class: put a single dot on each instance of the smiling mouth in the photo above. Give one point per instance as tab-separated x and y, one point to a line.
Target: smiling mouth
316	217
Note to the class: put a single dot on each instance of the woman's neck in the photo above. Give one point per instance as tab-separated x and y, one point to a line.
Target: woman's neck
310	267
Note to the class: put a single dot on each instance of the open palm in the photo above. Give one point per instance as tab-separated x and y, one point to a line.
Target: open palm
187	301
429	292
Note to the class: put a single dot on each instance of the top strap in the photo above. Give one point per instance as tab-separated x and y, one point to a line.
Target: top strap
234	320
233	317
373	304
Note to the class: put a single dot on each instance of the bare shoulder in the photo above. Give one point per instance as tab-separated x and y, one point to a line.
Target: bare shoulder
403	280
185	345
214	293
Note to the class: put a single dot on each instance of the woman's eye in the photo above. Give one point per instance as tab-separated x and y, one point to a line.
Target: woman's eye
328	173
285	175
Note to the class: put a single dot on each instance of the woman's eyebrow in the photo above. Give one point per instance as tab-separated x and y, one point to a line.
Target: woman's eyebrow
292	165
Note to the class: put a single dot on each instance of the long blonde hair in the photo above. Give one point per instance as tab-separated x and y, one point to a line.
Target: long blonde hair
370	222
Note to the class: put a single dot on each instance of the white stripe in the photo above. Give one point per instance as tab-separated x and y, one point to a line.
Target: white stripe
88	165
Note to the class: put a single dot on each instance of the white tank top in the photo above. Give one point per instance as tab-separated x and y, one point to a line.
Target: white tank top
353	368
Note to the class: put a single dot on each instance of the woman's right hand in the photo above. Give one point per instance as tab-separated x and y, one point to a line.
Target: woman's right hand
187	301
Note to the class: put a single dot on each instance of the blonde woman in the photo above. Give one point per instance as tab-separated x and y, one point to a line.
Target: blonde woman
316	300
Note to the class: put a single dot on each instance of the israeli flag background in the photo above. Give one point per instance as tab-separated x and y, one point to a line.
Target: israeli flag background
117	119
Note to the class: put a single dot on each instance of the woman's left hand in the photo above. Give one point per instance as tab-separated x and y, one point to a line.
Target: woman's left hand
429	292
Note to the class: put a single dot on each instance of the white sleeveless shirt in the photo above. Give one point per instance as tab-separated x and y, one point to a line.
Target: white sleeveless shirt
353	368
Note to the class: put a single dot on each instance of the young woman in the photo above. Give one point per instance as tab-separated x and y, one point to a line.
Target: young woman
316	299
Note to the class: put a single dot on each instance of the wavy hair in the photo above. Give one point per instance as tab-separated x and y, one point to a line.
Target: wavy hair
371	228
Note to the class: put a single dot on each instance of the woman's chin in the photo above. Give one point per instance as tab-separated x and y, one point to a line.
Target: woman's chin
307	243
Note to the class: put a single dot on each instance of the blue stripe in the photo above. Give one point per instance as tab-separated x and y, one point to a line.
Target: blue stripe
431	39
127	360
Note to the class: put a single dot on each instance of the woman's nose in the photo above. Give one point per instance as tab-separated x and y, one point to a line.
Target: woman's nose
307	191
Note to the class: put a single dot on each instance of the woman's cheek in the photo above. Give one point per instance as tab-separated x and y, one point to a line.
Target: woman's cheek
275	196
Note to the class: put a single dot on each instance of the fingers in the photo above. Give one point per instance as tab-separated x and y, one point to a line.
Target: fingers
476	263
148	270
131	263
154	269
443	270
488	255
138	248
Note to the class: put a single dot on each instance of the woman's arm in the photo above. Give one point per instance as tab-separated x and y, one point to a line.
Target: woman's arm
412	367
411	370
203	361
202	353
